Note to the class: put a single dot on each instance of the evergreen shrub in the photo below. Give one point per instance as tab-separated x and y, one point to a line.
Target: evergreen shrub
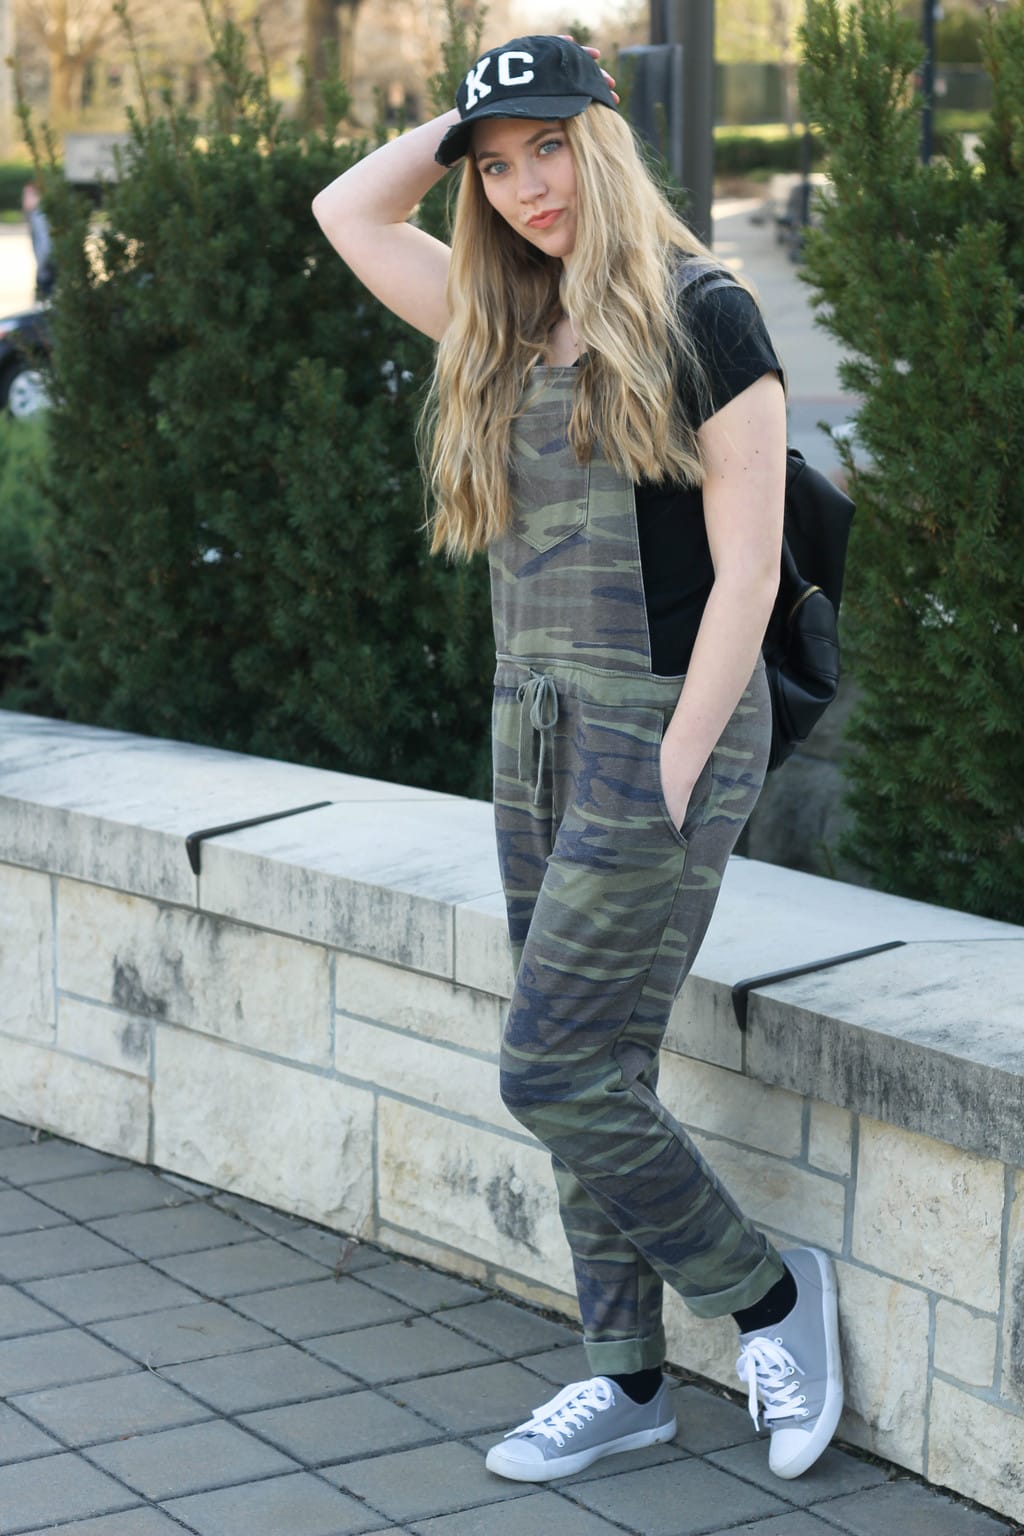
235	549
24	591
920	272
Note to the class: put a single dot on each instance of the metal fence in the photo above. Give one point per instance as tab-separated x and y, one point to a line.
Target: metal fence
754	93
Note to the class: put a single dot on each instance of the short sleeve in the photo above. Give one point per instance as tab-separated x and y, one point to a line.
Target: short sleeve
732	343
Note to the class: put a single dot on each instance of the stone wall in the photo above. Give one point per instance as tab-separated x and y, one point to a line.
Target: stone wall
312	1020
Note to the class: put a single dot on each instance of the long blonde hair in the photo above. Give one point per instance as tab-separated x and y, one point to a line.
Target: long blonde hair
504	295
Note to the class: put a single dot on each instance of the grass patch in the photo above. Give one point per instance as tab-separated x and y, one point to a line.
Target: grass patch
961	121
769	131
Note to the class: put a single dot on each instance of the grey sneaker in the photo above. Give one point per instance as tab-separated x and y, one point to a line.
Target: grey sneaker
586	1421
795	1369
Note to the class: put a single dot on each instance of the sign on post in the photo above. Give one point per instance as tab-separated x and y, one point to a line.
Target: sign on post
683	67
89	157
655	76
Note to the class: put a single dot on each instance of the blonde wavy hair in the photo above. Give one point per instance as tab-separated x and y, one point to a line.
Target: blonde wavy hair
621	291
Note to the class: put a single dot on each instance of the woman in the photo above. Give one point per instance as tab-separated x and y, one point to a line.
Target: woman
42	246
608	422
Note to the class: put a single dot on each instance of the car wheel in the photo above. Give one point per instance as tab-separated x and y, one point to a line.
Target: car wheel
26	392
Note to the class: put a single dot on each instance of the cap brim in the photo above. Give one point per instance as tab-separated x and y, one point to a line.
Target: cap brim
456	141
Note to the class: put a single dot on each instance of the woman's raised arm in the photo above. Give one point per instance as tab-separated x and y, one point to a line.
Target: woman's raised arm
365	214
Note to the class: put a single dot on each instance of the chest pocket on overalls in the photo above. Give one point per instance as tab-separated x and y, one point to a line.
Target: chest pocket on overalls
549	488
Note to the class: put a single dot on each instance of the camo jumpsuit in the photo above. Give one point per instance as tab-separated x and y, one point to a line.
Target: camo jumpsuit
608	901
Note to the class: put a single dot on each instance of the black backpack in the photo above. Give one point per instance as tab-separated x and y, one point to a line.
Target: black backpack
801	643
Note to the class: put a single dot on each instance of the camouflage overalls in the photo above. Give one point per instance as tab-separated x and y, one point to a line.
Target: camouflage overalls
608	900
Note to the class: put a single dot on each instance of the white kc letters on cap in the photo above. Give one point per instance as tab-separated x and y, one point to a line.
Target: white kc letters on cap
476	85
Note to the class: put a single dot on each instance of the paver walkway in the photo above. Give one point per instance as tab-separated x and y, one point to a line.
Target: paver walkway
748	244
174	1358
17	269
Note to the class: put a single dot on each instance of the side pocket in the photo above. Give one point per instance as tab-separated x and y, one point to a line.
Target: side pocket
697	805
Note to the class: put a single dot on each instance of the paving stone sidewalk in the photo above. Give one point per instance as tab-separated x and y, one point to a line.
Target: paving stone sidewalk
174	1358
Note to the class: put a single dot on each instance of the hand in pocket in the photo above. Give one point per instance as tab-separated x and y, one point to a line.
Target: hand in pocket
677	787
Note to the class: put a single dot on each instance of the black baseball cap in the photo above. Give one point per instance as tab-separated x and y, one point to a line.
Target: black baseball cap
542	77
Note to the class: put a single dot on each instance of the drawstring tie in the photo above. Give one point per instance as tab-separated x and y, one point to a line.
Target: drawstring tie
539	716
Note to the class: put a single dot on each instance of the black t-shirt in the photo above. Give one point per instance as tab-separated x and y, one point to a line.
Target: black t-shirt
735	350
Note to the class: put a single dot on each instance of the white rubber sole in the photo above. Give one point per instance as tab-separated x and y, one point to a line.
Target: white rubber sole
816	1441
505	1465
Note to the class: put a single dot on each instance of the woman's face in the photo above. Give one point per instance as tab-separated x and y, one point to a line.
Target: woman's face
529	178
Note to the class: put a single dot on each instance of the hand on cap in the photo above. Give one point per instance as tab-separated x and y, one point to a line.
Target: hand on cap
595	53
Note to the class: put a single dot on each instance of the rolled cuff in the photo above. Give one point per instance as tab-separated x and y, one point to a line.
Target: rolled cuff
746	1293
620	1357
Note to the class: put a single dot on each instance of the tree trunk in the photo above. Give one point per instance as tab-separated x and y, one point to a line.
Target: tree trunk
321	36
330	33
346	24
65	84
65	67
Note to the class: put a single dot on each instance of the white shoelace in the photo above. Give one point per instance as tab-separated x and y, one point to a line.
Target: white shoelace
573	1407
767	1368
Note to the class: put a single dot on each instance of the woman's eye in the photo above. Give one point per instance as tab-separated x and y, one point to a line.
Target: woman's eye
494	166
549	144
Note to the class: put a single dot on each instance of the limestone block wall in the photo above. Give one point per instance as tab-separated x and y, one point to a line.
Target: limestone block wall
312	1019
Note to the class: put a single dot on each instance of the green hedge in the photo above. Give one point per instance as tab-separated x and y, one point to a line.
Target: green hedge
13	176
738	153
746	151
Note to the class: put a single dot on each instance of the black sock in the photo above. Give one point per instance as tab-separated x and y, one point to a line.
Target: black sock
771	1309
639	1386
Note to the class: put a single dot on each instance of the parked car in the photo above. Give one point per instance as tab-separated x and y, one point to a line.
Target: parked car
25	346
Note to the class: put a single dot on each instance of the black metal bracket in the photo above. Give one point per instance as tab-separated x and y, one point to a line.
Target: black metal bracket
194	840
742	989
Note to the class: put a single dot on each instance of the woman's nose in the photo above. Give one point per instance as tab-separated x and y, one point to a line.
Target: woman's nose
531	184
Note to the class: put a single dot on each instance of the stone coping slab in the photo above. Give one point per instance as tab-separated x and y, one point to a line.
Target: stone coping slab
378	881
927	1037
63	787
924	1037
770	918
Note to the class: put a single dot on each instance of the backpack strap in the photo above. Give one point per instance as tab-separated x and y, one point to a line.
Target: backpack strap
707	276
